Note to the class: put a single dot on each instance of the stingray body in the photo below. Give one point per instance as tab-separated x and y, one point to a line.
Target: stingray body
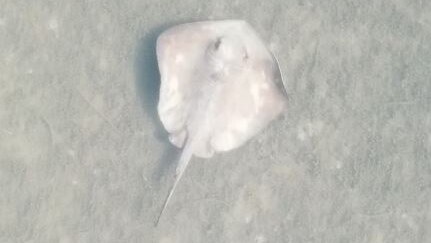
217	88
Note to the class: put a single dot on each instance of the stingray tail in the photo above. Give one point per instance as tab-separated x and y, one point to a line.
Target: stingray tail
184	160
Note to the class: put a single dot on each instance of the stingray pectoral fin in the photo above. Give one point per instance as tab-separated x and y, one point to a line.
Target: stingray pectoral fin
181	167
249	104
178	51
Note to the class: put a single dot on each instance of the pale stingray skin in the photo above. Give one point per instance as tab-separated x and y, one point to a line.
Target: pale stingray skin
217	88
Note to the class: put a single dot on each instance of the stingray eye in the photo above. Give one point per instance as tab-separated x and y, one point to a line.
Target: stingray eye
245	55
217	44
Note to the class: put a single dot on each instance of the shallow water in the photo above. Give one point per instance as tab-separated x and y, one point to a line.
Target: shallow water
84	157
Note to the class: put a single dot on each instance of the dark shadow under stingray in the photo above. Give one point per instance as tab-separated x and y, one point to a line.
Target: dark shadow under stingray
147	81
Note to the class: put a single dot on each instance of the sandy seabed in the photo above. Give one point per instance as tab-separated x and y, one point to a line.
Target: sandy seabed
84	158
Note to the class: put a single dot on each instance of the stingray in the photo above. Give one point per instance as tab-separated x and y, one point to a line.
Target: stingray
218	88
